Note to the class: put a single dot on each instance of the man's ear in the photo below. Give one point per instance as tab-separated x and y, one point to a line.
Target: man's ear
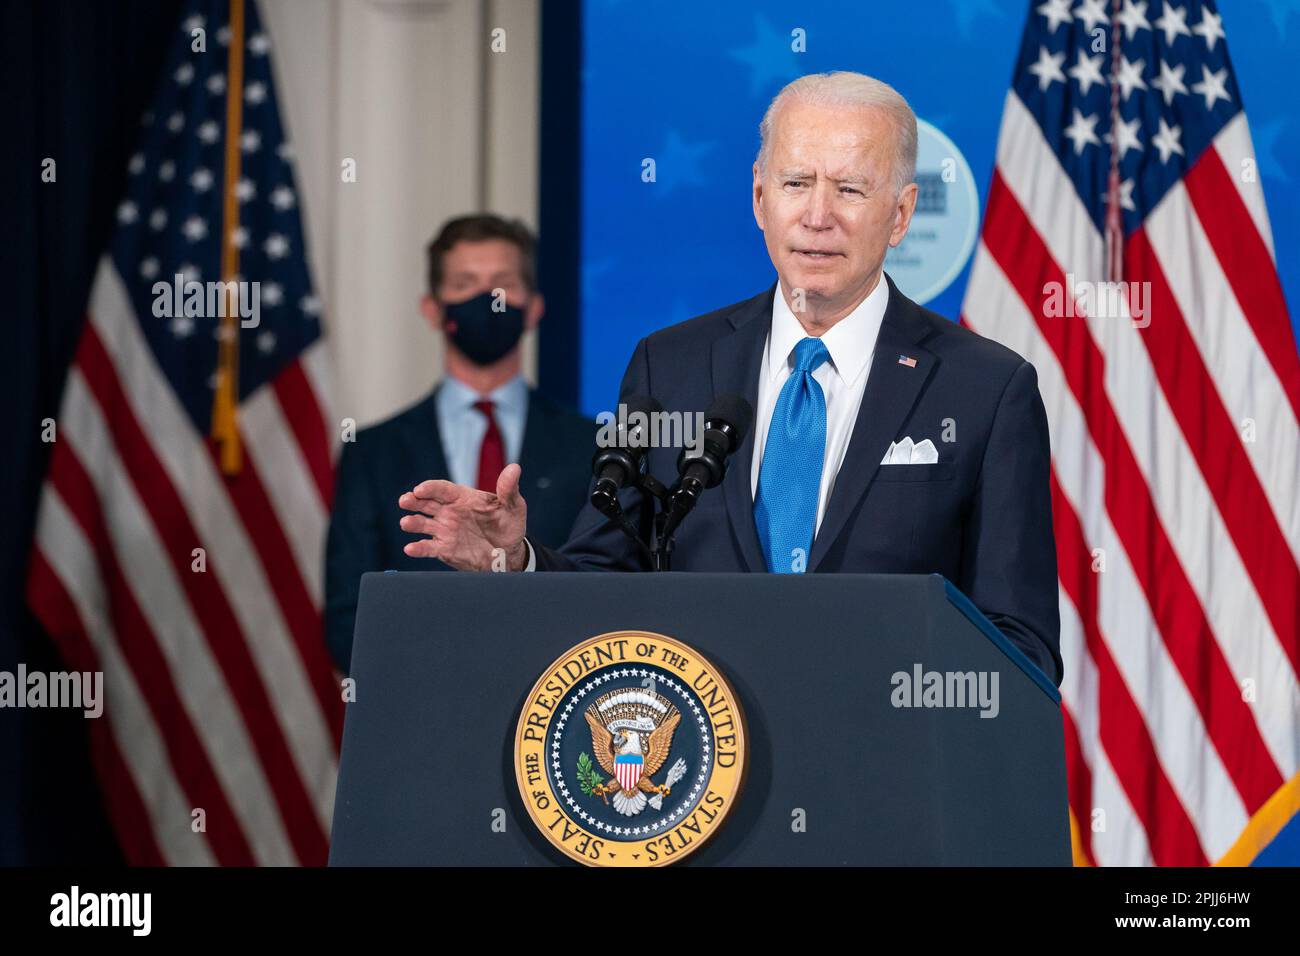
533	314
903	213
432	311
758	197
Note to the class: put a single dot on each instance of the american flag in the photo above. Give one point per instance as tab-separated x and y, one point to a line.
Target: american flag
179	539
1125	156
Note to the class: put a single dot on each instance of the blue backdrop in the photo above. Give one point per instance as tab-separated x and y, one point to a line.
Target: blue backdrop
686	84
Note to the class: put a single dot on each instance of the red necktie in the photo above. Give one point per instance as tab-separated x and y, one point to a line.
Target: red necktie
492	454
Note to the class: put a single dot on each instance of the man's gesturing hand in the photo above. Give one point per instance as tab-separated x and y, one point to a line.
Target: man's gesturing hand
466	526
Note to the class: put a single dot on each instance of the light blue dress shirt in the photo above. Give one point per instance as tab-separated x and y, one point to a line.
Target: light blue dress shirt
462	426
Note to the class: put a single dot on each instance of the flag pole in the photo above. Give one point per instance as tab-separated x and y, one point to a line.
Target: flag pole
225	403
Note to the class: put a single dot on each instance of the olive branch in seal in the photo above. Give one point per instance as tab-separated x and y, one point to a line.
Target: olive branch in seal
588	779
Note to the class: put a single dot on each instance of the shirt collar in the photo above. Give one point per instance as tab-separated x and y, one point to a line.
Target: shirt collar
850	341
512	396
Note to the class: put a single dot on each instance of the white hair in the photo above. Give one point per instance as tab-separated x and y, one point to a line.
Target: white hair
851	91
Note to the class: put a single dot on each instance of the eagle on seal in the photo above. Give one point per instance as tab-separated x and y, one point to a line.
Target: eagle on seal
631	733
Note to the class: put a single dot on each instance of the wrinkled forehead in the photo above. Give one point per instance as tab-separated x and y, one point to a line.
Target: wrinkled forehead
831	138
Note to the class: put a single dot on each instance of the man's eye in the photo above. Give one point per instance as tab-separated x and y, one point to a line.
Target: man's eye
850	191
794	182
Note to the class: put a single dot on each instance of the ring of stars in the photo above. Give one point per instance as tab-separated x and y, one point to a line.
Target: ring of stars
688	702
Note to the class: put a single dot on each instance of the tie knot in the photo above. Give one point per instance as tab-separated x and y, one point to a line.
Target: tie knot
484	406
809	355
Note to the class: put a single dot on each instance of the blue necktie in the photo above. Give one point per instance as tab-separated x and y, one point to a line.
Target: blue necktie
790	476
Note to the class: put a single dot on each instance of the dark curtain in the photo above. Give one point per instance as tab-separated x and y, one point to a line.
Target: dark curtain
77	74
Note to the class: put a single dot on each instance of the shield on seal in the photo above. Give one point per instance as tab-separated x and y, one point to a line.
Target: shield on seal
627	768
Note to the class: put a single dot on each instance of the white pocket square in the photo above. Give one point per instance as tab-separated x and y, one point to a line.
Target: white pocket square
906	452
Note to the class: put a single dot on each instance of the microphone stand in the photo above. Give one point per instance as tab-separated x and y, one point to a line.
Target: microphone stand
660	550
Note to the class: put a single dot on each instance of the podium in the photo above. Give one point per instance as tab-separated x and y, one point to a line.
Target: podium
841	769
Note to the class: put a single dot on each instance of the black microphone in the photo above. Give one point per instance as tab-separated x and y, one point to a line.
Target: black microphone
616	466
725	425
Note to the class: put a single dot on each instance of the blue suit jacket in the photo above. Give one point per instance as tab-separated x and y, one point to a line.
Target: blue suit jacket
981	516
396	455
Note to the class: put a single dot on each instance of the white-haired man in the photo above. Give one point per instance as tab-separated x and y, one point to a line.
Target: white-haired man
886	438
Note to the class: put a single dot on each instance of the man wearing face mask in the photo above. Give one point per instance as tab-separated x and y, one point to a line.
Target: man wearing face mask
481	417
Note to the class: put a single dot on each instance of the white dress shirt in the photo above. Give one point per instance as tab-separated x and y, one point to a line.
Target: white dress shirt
462	426
843	379
851	342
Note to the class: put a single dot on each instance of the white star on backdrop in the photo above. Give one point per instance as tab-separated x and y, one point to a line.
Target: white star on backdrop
1127	134
1213	86
1087	72
1056	12
1091	13
1130	76
1166	140
1174	23
1210	28
1133	17
1081	132
1126	195
282	198
1048	68
276	246
1170	81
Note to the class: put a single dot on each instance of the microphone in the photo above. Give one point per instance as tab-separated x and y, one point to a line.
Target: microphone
620	465
726	424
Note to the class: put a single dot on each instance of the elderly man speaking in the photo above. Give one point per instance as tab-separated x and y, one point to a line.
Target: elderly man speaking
886	438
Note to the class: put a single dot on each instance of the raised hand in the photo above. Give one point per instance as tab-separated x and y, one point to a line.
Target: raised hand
465	526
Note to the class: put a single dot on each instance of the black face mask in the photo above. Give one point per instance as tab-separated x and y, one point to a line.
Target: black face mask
482	334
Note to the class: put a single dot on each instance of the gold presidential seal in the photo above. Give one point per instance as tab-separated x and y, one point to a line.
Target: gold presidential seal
630	750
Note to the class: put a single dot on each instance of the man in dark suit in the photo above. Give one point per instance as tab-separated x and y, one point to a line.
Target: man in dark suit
885	438
482	297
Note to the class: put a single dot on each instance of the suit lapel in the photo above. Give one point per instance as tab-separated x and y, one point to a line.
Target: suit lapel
892	390
423	441
736	359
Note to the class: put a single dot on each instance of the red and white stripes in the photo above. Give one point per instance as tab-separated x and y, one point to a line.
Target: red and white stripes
1175	451
220	693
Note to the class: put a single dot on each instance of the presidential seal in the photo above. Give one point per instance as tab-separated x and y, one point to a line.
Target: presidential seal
630	750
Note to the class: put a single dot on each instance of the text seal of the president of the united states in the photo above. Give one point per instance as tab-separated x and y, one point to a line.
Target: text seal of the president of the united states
630	750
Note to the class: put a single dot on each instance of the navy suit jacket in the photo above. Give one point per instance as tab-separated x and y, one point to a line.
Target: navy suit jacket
395	455
981	516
